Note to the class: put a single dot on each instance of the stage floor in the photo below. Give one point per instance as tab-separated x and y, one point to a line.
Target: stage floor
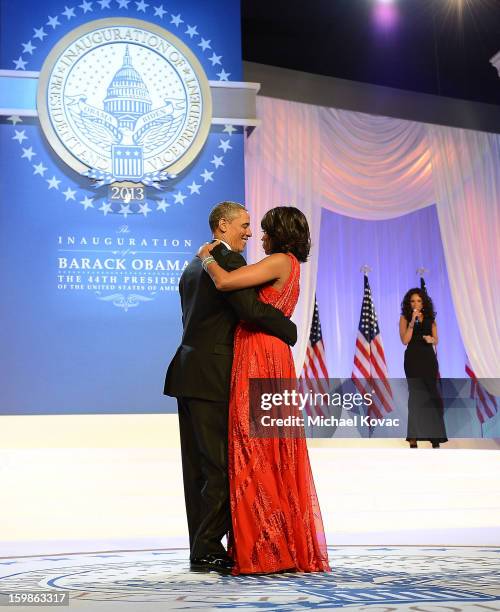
375	579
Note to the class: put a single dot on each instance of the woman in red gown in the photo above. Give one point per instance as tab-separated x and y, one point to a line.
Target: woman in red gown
275	512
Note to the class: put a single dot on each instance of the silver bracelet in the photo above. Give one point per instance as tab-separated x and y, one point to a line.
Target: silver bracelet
206	261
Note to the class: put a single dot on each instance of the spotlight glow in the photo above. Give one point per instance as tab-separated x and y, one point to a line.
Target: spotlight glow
385	15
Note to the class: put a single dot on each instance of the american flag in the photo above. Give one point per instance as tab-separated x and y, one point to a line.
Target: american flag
370	370
486	404
423	287
315	371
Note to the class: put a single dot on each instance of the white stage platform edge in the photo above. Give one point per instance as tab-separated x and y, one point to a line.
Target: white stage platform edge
81	484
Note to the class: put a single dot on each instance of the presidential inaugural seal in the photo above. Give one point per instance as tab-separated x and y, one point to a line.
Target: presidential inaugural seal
124	100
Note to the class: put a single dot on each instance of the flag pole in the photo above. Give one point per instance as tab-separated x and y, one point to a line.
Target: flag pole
369	372
421	272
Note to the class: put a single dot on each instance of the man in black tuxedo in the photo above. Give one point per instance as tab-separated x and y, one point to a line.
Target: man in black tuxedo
199	377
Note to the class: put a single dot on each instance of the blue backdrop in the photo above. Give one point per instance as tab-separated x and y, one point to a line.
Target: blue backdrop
99	341
394	249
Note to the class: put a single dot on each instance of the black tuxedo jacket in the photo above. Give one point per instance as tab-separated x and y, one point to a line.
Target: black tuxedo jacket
201	367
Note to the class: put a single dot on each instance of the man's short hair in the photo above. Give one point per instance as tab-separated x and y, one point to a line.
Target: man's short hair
224	210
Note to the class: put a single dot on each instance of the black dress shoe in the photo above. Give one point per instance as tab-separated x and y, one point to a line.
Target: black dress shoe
218	563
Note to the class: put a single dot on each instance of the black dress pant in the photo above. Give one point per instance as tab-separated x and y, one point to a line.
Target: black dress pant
203	431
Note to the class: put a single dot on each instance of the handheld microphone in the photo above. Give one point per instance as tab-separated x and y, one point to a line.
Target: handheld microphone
417	320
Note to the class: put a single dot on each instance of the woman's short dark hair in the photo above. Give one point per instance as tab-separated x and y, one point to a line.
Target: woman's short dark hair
288	231
427	305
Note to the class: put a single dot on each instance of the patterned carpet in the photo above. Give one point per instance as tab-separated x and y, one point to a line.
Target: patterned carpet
375	579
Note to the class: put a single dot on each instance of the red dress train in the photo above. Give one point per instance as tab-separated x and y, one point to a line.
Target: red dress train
275	512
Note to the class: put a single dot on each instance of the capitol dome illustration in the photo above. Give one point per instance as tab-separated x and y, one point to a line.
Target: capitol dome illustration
127	96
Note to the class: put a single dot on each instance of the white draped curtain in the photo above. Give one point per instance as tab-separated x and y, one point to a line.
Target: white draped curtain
374	168
466	175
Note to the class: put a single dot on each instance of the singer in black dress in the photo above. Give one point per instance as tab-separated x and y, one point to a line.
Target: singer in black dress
418	331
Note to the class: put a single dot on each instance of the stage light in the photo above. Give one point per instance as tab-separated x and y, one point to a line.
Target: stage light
385	14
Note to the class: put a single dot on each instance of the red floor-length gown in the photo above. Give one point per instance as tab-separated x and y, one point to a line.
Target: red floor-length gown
275	513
